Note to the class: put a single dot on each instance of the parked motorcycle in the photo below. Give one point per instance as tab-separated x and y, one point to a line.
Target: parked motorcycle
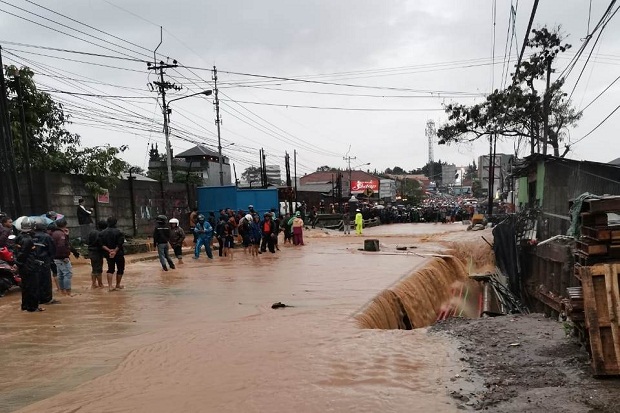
9	277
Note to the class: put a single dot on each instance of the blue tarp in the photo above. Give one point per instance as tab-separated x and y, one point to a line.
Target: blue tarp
214	198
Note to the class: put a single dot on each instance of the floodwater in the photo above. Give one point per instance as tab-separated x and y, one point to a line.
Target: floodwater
203	338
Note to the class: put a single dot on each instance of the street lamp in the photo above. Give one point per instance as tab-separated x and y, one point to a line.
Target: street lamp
167	112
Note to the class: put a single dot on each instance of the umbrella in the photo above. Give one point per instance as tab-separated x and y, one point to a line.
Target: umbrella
379	207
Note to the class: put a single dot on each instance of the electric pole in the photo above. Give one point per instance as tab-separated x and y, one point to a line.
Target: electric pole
218	121
162	86
349	159
295	171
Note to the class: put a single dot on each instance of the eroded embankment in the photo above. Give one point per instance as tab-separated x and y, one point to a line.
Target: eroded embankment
416	300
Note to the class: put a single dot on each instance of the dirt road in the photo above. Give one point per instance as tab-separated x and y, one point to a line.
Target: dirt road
524	364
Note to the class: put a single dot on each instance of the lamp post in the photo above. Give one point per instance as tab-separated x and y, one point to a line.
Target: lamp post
167	112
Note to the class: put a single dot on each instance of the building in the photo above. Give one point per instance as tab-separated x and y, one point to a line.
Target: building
448	174
353	182
547	184
502	169
274	176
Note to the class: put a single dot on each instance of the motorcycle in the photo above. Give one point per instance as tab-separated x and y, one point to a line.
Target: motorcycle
9	277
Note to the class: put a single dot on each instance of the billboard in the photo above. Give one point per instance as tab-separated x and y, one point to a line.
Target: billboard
387	189
357	187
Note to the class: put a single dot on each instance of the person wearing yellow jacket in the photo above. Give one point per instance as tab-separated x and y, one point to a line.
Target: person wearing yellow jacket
359	222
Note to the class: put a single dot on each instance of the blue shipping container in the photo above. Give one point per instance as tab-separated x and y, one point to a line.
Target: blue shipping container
214	198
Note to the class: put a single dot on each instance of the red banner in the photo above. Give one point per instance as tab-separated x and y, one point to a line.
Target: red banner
361	186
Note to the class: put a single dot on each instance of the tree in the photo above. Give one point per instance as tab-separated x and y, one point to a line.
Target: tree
520	111
251	174
51	146
326	168
472	171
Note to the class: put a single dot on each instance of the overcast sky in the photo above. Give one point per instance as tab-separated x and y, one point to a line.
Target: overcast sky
427	52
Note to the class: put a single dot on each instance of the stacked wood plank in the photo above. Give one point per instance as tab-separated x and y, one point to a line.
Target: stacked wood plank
597	265
599	241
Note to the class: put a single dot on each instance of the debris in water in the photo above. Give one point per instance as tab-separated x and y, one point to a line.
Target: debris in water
514	344
279	305
401	248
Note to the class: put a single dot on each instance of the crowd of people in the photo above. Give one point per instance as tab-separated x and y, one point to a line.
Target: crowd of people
38	249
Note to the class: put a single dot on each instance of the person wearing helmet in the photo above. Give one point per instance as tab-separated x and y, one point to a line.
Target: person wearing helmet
161	237
297	223
244	231
177	236
96	254
204	234
63	249
45	252
27	264
255	235
359	222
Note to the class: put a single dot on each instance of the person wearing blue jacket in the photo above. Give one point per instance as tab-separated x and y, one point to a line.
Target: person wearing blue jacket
255	235
204	235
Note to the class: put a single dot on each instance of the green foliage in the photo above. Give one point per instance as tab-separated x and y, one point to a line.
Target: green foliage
51	146
519	110
325	168
476	189
250	172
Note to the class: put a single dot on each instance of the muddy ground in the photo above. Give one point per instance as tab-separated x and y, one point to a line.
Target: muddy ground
526	364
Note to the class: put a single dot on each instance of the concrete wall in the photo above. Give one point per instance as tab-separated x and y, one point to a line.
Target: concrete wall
60	192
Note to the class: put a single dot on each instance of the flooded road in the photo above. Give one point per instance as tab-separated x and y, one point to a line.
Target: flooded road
203	338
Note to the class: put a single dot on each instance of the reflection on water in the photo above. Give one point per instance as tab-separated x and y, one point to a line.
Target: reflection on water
203	338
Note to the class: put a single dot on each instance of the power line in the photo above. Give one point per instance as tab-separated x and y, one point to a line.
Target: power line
96	96
335	107
600	94
597	126
527	34
56	49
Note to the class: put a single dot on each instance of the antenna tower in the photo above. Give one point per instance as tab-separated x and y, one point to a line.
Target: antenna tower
430	135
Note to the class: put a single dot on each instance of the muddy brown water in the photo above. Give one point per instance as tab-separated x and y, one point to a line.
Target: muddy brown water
203	338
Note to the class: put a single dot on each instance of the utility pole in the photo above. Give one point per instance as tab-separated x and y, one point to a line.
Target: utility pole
295	171
289	184
25	143
546	105
349	159
162	86
218	121
264	170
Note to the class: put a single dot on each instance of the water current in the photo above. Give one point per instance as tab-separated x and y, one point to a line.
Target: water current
203	338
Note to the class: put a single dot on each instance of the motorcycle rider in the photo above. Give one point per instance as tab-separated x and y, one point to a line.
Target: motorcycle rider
204	234
27	264
45	251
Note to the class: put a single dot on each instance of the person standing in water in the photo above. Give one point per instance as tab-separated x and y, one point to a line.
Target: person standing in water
177	236
359	222
346	221
112	240
95	254
161	237
298	228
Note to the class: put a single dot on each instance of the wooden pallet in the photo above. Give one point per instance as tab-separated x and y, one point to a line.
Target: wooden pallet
601	301
590	247
604	234
593	220
607	204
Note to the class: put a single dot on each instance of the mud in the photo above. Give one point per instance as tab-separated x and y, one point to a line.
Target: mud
525	364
